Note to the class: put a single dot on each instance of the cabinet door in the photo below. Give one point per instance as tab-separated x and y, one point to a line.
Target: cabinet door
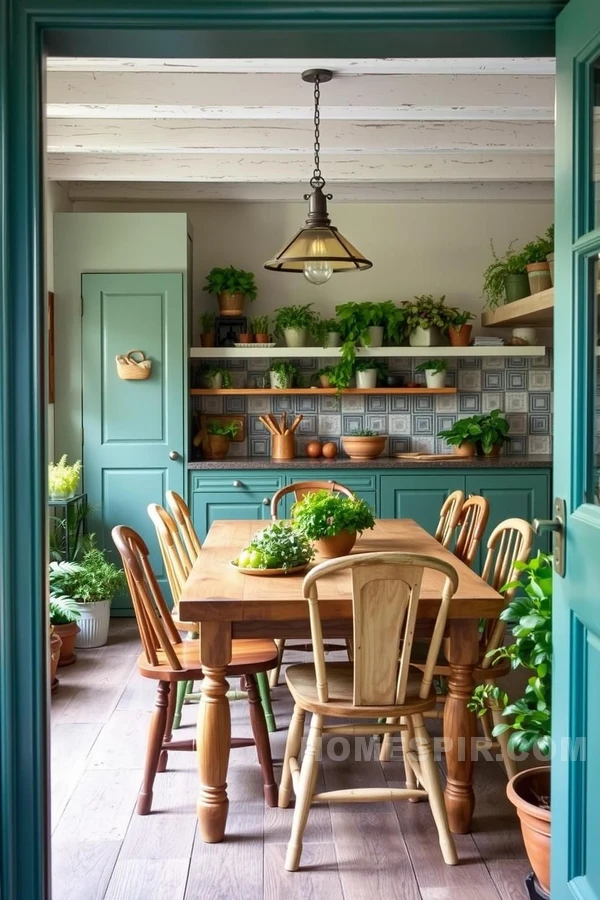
524	495
417	495
243	496
363	484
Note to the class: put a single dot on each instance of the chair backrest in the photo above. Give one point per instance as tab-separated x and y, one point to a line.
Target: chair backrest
302	488
181	513
385	599
177	563
449	516
472	524
510	542
153	618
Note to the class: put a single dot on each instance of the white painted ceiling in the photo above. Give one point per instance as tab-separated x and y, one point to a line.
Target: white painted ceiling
242	129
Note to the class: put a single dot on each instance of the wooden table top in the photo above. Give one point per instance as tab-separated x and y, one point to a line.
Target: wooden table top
216	591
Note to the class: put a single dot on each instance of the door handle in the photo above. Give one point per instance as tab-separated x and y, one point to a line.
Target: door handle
557	527
173	454
266	501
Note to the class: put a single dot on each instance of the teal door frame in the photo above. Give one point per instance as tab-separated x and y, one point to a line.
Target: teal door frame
29	28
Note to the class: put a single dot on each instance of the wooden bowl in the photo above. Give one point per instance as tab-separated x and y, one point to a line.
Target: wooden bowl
363	447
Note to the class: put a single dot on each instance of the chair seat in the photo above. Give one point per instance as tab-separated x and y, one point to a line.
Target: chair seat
302	683
247	657
442	666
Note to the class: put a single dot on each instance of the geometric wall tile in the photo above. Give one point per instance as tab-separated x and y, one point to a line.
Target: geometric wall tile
539	380
446	403
469	380
353	404
517	402
469	403
540	402
235	404
376	403
539	424
493	381
400	424
518	423
352	423
377	423
538	444
401	402
306	404
516	381
422	424
422	403
490	401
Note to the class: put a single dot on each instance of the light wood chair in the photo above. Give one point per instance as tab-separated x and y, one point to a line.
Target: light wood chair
385	598
181	513
168	659
509	542
449	516
178	566
472	523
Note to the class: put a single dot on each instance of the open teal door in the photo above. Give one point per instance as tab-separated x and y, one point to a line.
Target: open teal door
576	685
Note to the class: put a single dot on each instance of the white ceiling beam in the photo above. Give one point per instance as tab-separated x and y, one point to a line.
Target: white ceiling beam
507	66
364	167
212	136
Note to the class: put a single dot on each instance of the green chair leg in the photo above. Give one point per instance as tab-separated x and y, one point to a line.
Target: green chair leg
182	689
265	698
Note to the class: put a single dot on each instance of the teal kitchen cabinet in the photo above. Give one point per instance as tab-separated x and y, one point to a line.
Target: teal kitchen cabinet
417	495
364	484
231	495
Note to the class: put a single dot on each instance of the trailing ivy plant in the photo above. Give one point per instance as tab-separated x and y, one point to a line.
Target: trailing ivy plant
512	263
207	374
286	371
325	514
231	281
355	320
325	327
530	615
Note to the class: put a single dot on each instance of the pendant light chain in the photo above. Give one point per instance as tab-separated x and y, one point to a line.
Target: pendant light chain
317	179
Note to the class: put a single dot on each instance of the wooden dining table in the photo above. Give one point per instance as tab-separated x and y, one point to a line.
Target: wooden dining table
230	605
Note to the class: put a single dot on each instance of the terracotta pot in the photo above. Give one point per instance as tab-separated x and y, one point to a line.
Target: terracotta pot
339	545
363	447
231	304
460	337
495	451
218	446
55	645
262	338
465	449
207	339
67	634
523	791
245	338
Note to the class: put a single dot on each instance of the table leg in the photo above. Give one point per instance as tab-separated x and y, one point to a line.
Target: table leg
460	727
214	731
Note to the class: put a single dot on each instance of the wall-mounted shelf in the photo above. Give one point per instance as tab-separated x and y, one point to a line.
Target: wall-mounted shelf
372	352
536	310
207	392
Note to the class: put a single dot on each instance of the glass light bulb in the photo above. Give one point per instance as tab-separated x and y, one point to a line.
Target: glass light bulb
318	272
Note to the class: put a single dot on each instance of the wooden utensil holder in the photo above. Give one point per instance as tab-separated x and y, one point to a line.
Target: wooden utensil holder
283	446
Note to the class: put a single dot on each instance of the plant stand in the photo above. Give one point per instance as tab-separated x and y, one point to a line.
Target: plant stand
534	891
229	328
65	512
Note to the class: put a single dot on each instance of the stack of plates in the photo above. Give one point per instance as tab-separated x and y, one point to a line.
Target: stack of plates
485	341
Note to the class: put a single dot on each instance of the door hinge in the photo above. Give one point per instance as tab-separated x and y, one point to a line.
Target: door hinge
557	527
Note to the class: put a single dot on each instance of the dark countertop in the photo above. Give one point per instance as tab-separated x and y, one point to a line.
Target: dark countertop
382	462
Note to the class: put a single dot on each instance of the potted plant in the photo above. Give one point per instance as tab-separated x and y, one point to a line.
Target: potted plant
215	378
55	647
92	584
64	611
505	279
464	436
324	376
549	235
494	431
459	330
63	479
332	522
282	374
435	372
368	372
536	264
208	321
259	325
295	323
530	615
426	320
369	324
231	287
328	333
363	443
219	438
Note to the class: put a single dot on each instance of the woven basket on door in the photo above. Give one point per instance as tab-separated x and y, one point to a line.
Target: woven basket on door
130	369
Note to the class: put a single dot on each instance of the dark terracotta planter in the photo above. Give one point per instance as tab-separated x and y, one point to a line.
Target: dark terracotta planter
55	645
207	339
524	791
231	304
67	634
460	337
218	446
262	338
245	338
495	451
339	545
465	449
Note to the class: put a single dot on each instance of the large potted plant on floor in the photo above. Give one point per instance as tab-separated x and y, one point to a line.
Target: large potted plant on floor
529	718
231	287
332	522
92	584
295	324
64	610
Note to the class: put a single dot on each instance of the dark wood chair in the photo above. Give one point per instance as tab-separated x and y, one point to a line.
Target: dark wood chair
168	659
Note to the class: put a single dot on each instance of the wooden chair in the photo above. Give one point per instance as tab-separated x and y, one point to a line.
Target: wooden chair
300	489
449	516
509	542
168	659
385	597
472	523
181	513
178	566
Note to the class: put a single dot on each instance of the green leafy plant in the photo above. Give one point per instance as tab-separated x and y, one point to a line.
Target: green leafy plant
208	373
231	281
259	325
325	514
62	605
63	478
91	580
280	546
427	311
286	372
363	432
323	328
355	319
537	251
512	263
460	317
432	365
223	429
463	431
208	321
494	430
295	317
530	615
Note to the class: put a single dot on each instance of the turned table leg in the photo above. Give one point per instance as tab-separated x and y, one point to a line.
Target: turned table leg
460	729
214	731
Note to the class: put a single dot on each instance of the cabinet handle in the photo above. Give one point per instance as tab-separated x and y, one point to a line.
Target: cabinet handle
237	483
266	501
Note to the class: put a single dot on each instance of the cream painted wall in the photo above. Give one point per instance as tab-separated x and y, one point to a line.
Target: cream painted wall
416	248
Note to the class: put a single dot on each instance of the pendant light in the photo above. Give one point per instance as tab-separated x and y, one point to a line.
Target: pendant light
318	249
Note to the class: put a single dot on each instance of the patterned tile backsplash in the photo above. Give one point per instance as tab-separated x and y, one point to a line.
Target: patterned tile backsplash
521	387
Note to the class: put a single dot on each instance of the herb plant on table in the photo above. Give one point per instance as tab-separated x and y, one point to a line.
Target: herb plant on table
324	514
280	546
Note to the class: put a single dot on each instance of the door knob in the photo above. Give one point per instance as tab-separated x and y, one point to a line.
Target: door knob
237	483
266	501
557	527
173	454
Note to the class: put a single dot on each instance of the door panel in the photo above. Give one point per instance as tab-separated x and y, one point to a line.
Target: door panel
419	496
208	508
130	427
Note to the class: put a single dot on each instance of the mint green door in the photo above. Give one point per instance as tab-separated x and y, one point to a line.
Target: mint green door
134	437
576	611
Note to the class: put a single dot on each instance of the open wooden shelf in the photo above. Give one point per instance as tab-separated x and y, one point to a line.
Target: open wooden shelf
536	310
208	392
371	352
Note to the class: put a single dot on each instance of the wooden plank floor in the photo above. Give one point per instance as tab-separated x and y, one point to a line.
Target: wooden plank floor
103	851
